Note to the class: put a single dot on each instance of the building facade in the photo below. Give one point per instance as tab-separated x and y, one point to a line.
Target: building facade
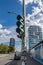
35	35
12	42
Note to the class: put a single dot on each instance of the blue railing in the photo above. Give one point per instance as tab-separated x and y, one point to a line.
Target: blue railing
37	52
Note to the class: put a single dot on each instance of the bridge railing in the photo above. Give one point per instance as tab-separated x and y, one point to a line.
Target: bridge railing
40	43
37	52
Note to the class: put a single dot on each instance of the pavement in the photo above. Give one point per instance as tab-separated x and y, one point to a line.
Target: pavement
14	62
31	61
9	60
6	59
2	55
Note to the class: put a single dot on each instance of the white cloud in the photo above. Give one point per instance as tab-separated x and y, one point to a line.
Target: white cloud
1	26
6	34
26	1
1	31
36	10
14	33
36	18
39	2
7	31
4	38
3	34
41	6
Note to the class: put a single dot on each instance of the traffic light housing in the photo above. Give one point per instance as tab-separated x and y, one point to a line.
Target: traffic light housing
20	25
19	36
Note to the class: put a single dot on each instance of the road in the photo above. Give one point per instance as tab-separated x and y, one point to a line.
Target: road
5	59
8	60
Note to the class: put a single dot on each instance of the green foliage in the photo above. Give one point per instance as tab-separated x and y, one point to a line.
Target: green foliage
4	48
11	49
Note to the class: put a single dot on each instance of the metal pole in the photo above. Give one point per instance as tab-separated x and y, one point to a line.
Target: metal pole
24	14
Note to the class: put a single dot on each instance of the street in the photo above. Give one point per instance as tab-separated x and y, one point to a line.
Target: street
5	59
8	60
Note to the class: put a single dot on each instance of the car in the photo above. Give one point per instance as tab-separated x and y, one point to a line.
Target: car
17	56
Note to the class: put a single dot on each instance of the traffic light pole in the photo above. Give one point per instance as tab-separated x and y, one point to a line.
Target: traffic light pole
24	37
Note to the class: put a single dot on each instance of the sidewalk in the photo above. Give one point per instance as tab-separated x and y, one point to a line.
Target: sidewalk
2	55
31	61
14	62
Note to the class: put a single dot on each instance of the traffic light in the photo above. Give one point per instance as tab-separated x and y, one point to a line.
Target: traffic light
20	24
19	36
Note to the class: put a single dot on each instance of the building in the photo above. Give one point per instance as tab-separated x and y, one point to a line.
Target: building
12	42
35	35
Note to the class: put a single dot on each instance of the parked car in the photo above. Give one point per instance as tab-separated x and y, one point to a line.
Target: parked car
17	56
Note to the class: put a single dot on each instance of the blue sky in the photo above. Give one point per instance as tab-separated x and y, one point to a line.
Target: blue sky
9	5
34	16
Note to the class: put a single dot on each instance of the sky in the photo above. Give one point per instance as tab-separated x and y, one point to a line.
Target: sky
34	16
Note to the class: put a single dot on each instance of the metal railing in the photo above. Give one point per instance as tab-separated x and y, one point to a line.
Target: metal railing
41	42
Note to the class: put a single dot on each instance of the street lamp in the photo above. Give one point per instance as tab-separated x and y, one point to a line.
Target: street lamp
12	13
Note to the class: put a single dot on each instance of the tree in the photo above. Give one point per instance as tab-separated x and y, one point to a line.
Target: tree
4	48
11	49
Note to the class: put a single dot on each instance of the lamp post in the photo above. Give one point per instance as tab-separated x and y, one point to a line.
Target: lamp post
24	14
12	13
24	37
